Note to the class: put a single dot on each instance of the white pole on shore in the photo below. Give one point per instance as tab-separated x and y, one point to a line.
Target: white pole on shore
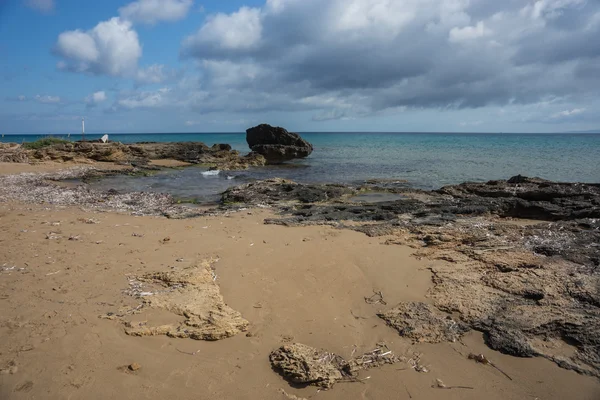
82	128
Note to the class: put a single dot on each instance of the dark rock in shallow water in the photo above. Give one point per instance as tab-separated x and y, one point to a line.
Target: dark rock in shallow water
534	198
275	190
277	144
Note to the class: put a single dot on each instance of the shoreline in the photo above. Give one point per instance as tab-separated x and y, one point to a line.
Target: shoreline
304	282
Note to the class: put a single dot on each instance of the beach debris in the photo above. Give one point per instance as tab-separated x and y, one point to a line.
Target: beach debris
74	238
481	359
135	288
179	260
187	352
89	221
423	323
357	316
134	366
291	396
377	298
166	240
53	236
53	273
303	364
192	293
415	363
134	234
439	384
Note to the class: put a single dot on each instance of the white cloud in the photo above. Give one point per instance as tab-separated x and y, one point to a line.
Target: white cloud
146	99
469	33
241	30
568	113
156	73
44	6
111	47
95	98
45	99
153	11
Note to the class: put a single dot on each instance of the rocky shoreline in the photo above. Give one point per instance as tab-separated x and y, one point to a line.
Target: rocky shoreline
517	259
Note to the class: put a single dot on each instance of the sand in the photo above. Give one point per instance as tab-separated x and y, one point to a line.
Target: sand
300	284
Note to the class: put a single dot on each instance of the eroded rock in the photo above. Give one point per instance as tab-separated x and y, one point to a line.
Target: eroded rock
193	294
277	144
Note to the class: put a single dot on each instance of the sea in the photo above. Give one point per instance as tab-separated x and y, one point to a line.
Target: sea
424	160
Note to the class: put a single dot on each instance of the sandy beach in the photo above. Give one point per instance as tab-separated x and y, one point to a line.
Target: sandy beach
68	293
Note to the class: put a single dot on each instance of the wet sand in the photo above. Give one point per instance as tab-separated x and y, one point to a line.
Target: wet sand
301	284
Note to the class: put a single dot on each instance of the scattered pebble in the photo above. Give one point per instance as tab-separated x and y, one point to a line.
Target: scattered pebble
134	366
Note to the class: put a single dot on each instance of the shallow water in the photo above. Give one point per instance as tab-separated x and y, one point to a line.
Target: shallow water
425	160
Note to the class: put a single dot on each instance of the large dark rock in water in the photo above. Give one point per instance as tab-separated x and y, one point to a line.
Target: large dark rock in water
277	144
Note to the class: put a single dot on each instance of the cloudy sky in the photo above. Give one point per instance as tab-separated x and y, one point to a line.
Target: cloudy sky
309	65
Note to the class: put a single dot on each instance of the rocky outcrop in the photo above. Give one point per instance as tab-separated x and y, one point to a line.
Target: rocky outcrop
530	288
277	144
272	191
220	155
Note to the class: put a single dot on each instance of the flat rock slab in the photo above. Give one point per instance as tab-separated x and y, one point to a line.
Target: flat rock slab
423	323
193	294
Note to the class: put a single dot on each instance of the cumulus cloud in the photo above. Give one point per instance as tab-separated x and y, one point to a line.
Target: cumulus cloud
374	55
112	48
95	98
44	6
239	31
153	11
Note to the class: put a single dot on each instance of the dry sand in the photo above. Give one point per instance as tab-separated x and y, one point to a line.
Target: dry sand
304	284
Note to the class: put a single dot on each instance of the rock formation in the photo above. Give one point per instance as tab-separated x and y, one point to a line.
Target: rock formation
277	144
220	155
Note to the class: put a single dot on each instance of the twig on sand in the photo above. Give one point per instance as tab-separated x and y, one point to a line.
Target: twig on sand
441	385
357	316
480	358
376	298
407	392
186	352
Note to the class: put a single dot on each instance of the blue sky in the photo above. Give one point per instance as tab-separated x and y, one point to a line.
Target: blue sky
308	65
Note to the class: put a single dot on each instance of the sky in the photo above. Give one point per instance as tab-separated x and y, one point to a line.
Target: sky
308	65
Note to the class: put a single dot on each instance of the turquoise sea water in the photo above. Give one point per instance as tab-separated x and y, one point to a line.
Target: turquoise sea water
425	160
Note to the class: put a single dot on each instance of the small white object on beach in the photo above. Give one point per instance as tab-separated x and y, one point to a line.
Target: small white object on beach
214	172
104	139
